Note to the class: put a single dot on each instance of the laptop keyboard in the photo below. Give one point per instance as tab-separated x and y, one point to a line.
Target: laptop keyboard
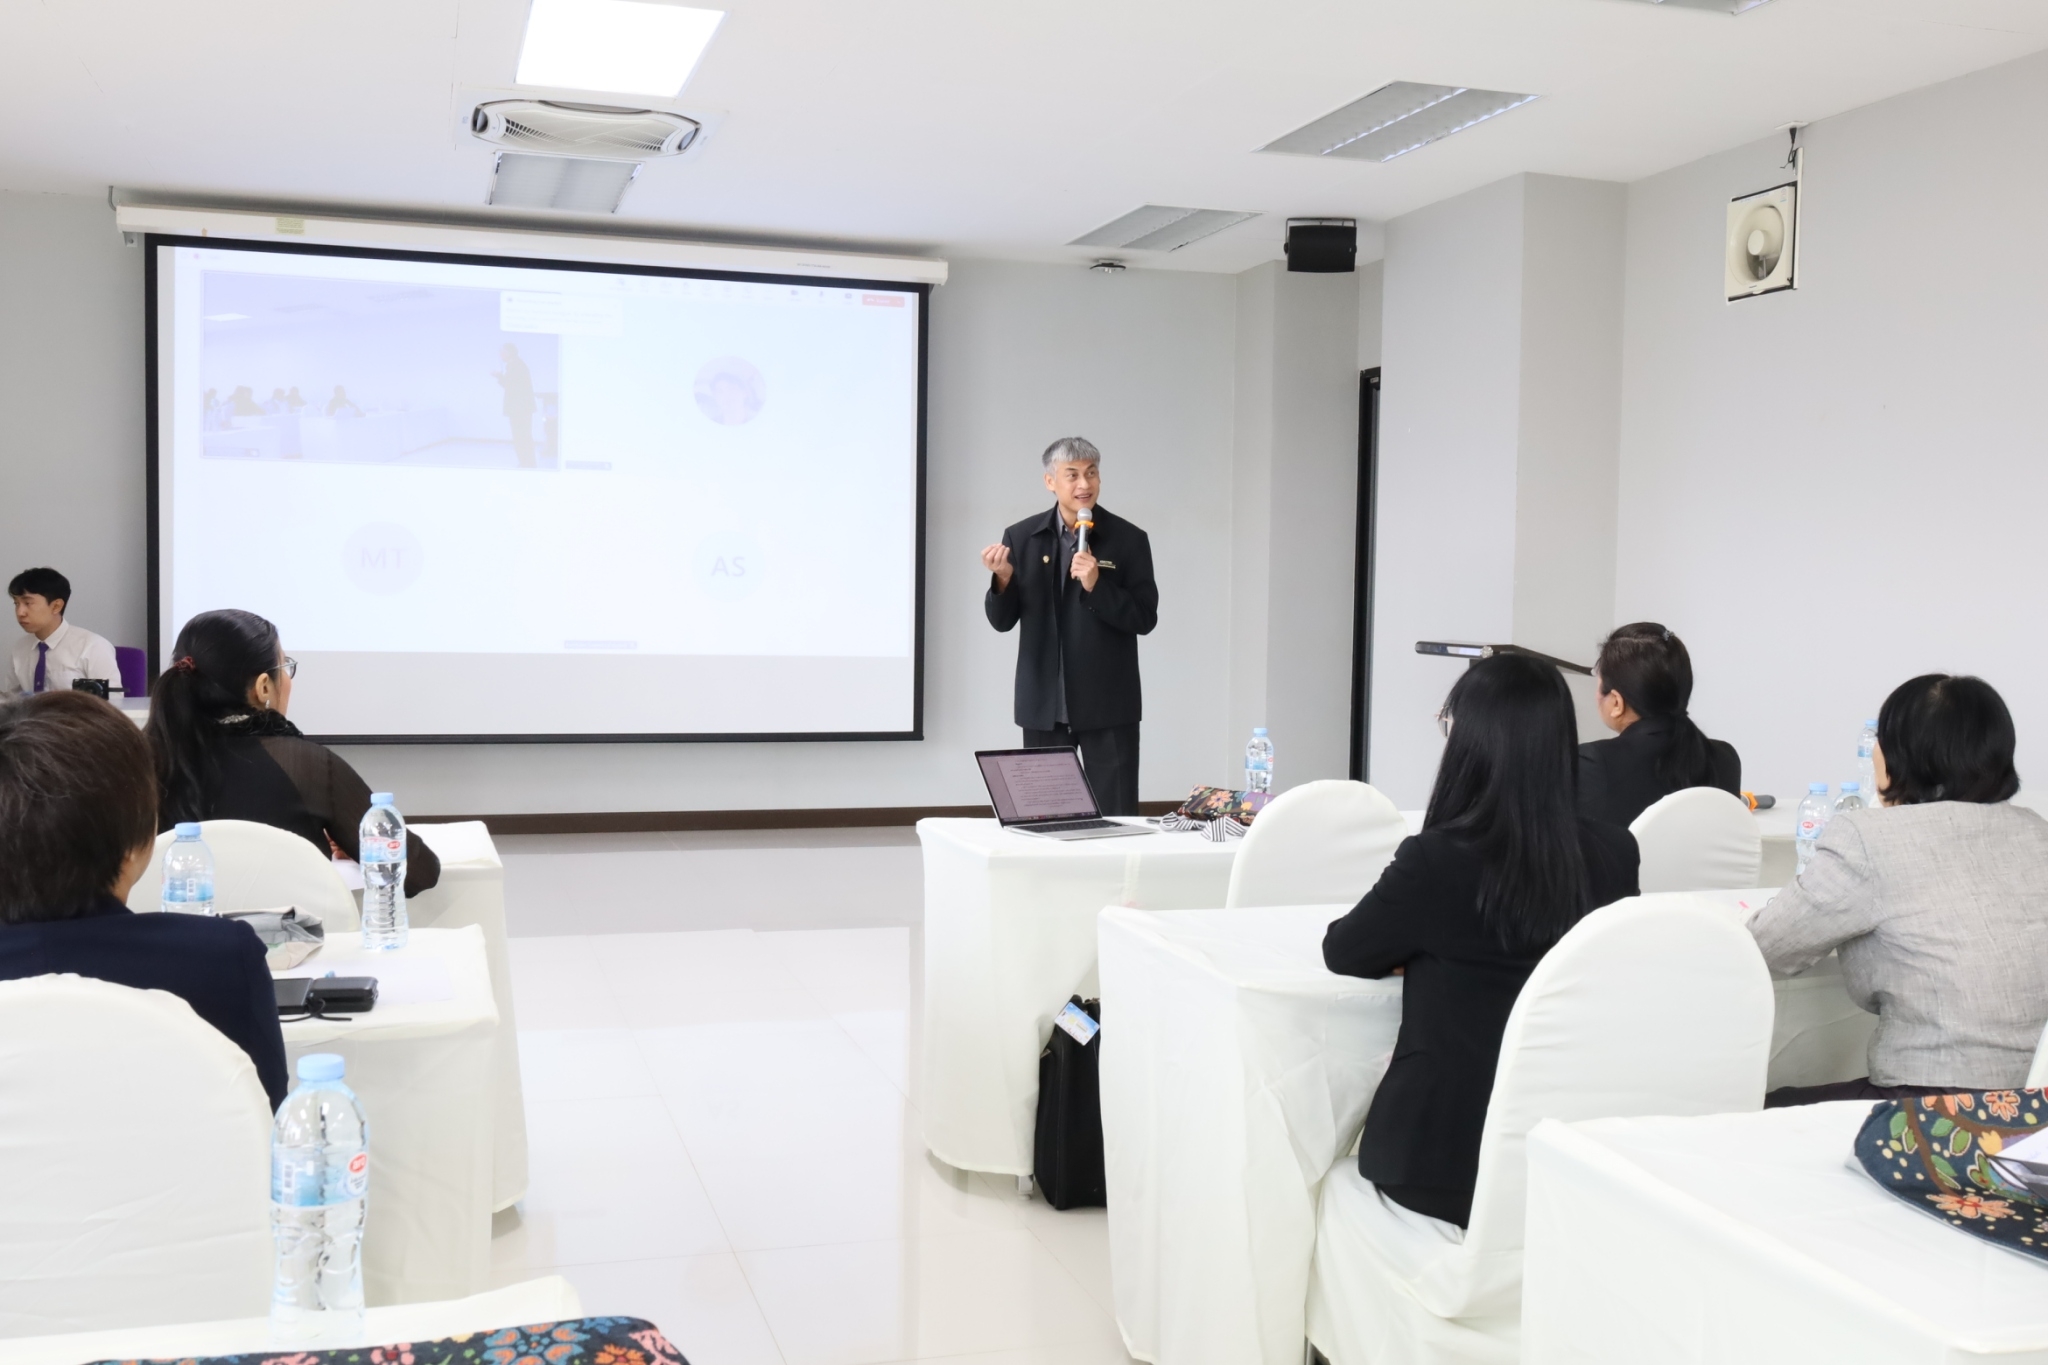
1062	826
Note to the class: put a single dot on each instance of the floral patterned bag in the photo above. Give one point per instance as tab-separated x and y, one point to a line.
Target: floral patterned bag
585	1341
1216	813
1959	1157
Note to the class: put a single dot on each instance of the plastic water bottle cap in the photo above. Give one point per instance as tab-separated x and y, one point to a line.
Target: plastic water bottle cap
1258	730
1848	787
1870	725
1817	787
188	829
321	1066
380	798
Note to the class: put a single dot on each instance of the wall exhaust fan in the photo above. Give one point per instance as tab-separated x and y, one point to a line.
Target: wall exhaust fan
580	158
1762	249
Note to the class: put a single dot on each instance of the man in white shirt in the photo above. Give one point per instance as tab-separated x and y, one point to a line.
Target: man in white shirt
56	653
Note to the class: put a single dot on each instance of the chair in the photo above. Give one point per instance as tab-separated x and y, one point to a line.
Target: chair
134	668
1653	1005
2037	1074
1699	839
259	867
134	1162
1322	843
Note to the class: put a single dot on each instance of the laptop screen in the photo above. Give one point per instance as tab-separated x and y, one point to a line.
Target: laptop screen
1036	784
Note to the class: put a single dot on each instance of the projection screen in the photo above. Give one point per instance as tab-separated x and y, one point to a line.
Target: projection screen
499	499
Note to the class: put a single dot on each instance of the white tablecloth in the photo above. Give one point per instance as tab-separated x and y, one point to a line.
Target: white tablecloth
1749	1238
424	1065
1009	935
551	1299
1235	1070
472	891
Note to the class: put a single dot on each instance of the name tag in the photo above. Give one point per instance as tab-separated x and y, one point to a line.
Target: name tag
1105	563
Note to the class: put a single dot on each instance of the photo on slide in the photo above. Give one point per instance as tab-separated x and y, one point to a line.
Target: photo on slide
337	371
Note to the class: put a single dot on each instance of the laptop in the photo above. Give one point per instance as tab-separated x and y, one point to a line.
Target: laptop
1044	792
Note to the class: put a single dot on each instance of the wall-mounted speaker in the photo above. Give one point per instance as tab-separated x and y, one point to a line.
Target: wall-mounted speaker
1762	248
1323	246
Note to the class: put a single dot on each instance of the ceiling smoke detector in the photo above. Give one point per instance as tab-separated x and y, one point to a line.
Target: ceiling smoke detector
1108	267
559	128
1395	120
1161	227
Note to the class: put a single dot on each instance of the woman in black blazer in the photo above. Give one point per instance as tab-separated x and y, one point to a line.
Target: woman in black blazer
1502	869
1644	679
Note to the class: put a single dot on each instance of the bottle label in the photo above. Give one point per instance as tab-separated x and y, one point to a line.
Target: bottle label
1811	826
294	1177
381	850
358	1175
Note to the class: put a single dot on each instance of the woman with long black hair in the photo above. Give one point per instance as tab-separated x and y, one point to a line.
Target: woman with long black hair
1644	680
225	751
1504	866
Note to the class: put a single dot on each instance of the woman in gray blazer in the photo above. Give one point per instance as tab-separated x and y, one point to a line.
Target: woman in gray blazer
1937	902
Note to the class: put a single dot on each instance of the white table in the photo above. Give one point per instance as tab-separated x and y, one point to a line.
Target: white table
1749	1238
472	891
424	1065
1235	1071
1009	935
551	1299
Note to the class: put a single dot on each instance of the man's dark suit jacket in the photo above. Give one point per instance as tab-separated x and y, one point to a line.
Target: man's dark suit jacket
215	965
1423	915
1618	777
1099	629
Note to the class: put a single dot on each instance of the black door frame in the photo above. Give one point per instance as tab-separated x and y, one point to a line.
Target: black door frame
1361	599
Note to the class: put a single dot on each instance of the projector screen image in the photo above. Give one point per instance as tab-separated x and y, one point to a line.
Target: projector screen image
496	499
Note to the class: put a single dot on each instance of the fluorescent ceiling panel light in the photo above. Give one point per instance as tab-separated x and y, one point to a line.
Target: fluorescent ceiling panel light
1162	227
632	47
574	184
1724	6
1395	120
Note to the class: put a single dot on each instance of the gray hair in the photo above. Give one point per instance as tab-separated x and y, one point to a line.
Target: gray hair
1072	449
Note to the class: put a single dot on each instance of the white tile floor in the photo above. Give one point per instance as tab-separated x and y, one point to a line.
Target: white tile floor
723	1114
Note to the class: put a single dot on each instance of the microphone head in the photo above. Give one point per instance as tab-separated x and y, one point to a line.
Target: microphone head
1085	516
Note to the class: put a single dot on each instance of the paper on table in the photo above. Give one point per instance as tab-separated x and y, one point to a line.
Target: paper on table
402	979
351	873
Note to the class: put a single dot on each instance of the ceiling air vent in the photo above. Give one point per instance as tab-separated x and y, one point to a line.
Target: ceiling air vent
1397	119
574	184
563	129
1161	227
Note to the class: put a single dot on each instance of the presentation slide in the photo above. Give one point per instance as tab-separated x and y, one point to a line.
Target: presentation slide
499	499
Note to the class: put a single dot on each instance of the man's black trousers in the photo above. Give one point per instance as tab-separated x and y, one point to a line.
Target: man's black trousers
1109	756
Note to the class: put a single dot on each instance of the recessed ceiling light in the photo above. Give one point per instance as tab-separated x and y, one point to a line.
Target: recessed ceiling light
1724	6
633	47
1162	227
1395	120
227	317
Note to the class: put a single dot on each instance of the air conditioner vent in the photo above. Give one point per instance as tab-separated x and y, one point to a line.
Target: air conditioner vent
586	130
1395	120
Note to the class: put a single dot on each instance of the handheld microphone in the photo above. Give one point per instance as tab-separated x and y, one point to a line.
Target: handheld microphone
1084	522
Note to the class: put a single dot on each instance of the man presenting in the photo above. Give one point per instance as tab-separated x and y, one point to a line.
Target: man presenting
1084	603
56	653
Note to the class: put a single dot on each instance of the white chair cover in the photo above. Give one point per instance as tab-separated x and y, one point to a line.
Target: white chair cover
1322	843
1699	839
1654	1005
2037	1074
259	867
134	1162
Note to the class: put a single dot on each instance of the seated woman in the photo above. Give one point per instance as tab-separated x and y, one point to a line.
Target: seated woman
1934	902
1644	679
1503	867
77	827
224	750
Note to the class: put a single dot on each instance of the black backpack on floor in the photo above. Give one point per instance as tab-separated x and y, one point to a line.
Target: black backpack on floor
1066	1159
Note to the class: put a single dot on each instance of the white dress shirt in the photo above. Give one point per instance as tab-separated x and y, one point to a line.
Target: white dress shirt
75	652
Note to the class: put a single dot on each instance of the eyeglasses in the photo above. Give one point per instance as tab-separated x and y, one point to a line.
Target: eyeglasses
1443	722
291	666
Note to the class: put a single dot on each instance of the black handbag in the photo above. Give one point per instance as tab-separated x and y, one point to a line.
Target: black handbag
1066	1157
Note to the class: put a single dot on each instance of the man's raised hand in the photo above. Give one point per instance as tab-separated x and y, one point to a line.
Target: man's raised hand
996	559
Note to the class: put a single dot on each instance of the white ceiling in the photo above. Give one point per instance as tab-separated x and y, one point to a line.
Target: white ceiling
964	127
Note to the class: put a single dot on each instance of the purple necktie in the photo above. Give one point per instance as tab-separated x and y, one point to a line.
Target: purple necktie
42	665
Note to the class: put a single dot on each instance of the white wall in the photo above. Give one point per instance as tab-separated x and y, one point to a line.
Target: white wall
1371	299
1831	490
71	452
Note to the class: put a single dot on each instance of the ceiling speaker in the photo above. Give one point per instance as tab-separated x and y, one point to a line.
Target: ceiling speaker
1322	246
1762	249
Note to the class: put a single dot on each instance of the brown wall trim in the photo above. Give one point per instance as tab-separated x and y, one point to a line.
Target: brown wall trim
672	821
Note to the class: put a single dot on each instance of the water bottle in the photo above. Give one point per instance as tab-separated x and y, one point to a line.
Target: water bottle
188	873
1813	818
1866	767
1851	797
319	1186
1258	768
381	850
